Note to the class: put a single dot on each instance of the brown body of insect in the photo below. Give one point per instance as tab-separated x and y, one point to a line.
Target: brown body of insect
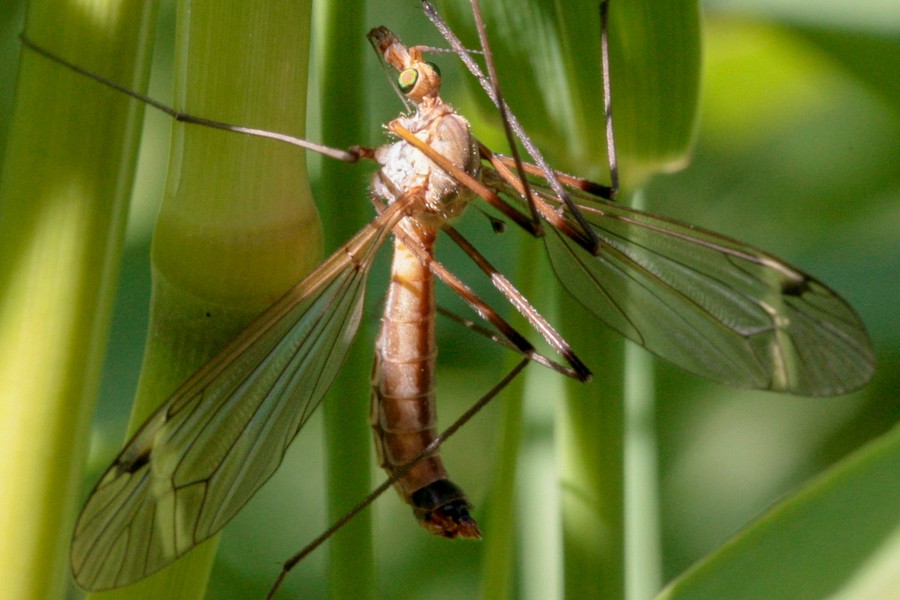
712	305
404	412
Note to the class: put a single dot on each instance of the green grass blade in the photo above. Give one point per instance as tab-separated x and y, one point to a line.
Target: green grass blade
341	195
837	537
63	206
612	547
237	226
553	82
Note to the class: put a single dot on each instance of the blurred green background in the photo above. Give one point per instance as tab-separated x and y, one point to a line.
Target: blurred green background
798	152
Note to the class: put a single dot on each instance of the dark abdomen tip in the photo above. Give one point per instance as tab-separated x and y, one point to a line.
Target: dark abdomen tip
442	508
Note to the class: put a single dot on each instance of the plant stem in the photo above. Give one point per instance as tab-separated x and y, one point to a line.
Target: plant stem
237	226
342	197
63	207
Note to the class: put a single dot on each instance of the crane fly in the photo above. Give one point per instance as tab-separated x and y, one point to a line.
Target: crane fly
710	304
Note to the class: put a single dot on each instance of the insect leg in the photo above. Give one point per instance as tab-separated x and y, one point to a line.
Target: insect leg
522	305
351	155
292	562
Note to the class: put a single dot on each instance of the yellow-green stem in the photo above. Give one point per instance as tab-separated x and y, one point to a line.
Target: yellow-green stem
65	186
343	200
549	68
237	226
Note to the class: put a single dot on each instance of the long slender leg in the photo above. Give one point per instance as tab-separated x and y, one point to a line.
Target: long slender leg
491	316
514	123
292	562
487	194
351	155
504	117
522	305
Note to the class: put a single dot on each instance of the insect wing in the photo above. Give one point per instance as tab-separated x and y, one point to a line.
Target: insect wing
712	305
201	456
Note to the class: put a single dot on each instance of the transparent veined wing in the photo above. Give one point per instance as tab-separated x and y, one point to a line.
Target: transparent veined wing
201	456
711	305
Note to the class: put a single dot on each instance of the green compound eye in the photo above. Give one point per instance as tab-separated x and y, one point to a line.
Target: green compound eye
407	79
435	67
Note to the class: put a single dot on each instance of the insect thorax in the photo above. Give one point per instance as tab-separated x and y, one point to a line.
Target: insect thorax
405	169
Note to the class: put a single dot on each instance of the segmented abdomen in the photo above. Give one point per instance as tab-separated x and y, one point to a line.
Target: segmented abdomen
403	413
